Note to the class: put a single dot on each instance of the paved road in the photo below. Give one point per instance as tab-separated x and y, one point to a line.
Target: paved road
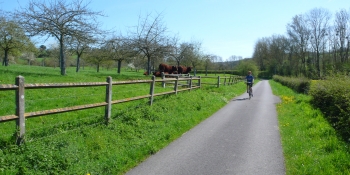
241	138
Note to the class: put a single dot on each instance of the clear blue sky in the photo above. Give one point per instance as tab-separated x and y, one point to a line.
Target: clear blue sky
225	27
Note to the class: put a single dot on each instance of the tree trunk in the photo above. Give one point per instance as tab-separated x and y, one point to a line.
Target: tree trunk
62	59
206	70
149	65
119	65
6	58
78	63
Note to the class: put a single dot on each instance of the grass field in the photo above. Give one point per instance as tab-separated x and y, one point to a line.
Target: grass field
79	142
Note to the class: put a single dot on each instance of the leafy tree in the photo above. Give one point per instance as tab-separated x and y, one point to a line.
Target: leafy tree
13	39
247	65
97	56
119	50
207	62
42	51
59	19
29	56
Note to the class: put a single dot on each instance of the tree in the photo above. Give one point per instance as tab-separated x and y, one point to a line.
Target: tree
318	21
59	19
79	45
341	27
208	60
29	56
97	56
193	55
247	65
150	39
178	50
42	51
299	33
13	39
119	50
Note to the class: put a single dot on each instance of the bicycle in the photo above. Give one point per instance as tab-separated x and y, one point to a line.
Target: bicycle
250	84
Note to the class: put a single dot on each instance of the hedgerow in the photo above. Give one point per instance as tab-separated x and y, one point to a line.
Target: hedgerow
299	84
332	97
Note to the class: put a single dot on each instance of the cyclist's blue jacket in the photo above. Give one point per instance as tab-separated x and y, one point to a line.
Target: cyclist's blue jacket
249	78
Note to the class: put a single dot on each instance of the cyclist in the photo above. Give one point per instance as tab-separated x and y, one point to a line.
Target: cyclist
250	81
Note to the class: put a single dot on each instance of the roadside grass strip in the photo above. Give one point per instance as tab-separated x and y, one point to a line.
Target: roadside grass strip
310	144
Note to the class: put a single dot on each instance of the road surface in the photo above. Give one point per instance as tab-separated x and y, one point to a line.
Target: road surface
241	138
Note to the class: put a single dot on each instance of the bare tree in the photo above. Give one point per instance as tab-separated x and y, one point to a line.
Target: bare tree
59	19
149	38
298	32
178	50
79	44
193	55
342	33
318	21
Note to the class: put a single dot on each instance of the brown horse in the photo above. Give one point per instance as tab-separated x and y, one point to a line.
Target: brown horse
184	70
167	68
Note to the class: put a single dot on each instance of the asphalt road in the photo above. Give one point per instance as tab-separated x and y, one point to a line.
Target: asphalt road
241	138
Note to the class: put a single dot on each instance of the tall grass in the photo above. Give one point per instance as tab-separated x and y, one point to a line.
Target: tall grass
310	144
79	142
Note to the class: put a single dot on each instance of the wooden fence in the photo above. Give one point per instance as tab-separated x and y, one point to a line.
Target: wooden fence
20	87
227	80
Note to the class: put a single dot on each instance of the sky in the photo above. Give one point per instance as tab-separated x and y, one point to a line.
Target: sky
224	27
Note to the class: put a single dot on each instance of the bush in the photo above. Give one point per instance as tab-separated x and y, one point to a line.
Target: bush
332	97
300	84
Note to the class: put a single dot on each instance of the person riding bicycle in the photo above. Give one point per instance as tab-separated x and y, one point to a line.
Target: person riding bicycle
250	81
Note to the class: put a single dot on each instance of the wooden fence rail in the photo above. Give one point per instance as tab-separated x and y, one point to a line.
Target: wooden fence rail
20	87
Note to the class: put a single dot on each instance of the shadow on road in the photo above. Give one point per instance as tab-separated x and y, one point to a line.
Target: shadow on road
240	99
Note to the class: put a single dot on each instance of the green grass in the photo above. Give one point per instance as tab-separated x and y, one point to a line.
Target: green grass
79	142
310	144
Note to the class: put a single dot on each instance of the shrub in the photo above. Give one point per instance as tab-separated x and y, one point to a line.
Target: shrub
300	84
332	97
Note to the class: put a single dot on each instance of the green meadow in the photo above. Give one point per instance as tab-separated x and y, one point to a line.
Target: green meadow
79	142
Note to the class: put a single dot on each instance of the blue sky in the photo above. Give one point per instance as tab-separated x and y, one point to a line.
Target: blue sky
224	27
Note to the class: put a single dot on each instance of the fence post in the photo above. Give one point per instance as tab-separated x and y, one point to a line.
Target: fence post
225	81
190	83
163	77
218	81
108	107
199	81
152	90
176	84
20	107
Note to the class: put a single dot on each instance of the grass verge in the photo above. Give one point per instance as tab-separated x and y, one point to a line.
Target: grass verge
310	144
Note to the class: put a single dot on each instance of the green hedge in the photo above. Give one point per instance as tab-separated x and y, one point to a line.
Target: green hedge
300	85
332	97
